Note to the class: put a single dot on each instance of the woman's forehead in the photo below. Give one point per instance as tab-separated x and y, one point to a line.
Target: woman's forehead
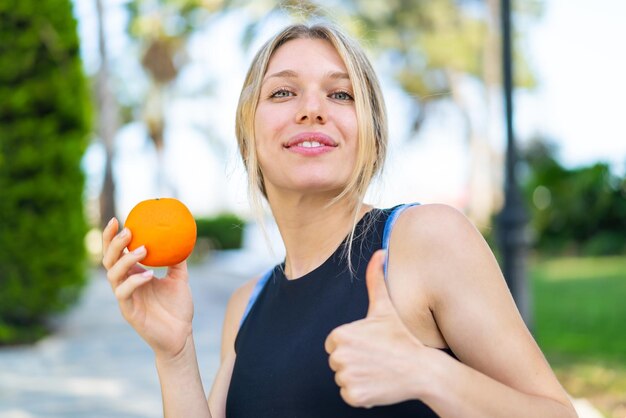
305	54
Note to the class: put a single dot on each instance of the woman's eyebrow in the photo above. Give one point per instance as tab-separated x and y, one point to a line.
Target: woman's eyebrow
338	75
282	74
334	75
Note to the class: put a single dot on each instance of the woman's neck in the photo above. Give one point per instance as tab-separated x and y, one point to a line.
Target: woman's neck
311	231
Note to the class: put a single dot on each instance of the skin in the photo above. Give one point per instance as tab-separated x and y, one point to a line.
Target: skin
307	93
300	99
444	287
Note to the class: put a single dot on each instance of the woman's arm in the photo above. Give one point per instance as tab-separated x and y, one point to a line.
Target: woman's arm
180	377
437	256
161	312
181	386
503	371
234	312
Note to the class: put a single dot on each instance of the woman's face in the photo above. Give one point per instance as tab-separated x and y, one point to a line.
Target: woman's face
305	123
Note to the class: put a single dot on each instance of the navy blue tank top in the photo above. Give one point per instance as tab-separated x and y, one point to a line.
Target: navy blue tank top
281	368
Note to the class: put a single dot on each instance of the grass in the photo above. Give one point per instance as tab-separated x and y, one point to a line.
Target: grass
580	324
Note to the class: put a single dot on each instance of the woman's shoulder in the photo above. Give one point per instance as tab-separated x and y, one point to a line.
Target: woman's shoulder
437	254
433	221
434	235
242	293
234	312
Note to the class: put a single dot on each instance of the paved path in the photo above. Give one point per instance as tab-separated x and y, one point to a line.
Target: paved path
95	366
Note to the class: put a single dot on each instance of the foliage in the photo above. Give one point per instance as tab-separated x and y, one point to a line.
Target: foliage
444	52
224	231
44	121
433	50
428	45
579	210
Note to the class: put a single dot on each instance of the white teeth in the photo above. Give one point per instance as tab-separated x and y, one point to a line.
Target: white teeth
310	144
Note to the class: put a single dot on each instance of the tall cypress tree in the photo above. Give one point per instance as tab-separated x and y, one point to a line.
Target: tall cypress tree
44	125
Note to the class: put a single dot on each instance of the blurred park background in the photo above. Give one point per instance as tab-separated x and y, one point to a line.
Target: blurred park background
104	103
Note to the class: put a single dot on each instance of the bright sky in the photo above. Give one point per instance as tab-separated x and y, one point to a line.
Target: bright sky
578	50
575	50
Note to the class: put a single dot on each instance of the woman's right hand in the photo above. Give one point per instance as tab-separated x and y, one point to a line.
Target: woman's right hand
160	310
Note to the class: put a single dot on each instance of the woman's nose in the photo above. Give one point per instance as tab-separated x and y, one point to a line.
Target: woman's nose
312	110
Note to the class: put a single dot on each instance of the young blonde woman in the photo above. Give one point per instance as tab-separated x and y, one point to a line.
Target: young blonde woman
397	312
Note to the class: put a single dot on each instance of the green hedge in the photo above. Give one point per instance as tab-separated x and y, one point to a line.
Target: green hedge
224	231
575	211
44	123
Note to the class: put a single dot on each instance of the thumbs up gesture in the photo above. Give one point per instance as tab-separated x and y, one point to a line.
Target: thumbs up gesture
374	358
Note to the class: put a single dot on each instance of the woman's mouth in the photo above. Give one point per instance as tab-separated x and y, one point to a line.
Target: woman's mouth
310	143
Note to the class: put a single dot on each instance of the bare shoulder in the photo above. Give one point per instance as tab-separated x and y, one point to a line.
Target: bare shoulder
446	258
434	253
441	239
436	223
239	298
234	312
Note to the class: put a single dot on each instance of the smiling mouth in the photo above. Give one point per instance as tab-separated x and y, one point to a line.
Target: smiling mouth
310	144
311	140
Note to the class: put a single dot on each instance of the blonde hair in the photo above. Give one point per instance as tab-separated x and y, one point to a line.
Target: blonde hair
369	105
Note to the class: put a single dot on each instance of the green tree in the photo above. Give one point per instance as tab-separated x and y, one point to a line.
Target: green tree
580	210
161	29
44	123
437	51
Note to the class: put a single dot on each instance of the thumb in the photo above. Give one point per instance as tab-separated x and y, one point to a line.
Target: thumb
380	301
178	271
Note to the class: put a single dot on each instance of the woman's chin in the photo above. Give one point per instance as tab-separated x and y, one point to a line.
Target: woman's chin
325	188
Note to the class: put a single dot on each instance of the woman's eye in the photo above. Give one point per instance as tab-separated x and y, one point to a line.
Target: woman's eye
341	95
279	94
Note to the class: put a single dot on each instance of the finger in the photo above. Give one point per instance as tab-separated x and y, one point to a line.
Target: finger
108	233
125	266
331	342
178	271
333	363
339	379
329	345
115	248
379	299
136	269
349	395
125	290
356	397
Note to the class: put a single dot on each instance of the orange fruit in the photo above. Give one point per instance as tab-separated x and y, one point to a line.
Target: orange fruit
166	227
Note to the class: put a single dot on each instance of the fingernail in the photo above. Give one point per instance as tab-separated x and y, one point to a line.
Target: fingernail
124	233
384	256
147	273
110	222
139	250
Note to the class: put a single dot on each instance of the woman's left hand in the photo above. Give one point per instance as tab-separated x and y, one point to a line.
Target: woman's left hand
374	358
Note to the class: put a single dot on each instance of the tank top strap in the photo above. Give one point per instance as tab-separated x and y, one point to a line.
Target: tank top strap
391	220
255	293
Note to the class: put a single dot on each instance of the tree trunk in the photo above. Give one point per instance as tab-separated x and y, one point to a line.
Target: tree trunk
108	123
480	181
492	76
154	118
